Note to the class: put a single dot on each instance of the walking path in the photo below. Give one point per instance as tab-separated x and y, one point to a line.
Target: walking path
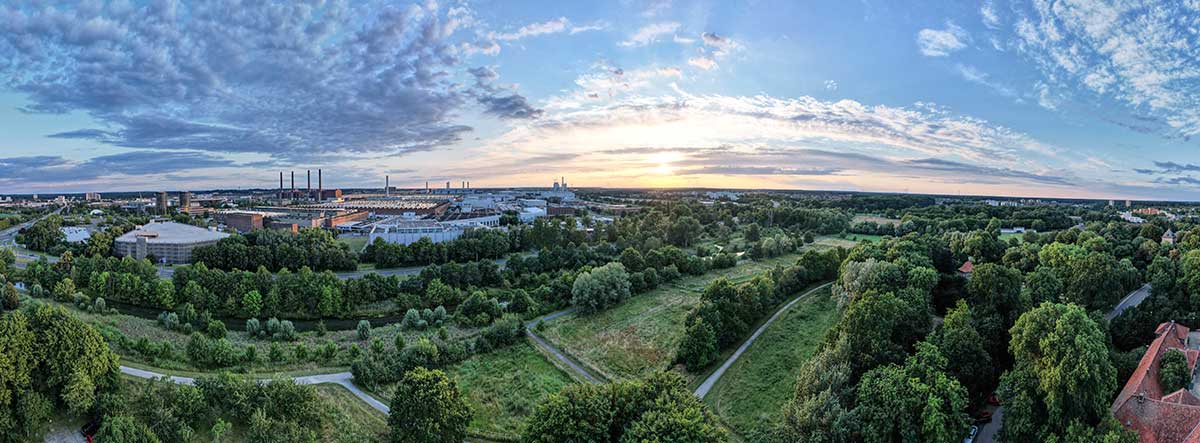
712	379
341	378
558	355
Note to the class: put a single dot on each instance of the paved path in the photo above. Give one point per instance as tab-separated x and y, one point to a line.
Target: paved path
341	378
1133	299
542	343
712	379
987	432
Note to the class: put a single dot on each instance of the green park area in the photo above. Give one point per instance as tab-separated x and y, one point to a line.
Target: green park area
755	388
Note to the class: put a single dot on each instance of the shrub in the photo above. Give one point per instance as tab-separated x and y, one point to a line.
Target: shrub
601	288
208	353
699	346
364	329
216	329
300	352
253	327
275	354
399	342
411	318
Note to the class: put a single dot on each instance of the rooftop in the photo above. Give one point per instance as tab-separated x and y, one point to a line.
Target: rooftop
171	232
1157	416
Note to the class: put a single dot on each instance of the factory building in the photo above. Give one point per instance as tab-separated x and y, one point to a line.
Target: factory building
168	241
405	232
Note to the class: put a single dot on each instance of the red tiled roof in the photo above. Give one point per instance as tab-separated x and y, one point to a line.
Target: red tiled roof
967	267
1143	407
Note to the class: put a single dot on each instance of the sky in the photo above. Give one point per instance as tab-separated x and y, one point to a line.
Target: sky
1041	98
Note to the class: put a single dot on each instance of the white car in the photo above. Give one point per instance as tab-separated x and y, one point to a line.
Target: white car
971	434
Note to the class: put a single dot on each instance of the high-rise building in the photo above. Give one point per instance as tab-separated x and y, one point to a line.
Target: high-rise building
91	196
161	202
185	201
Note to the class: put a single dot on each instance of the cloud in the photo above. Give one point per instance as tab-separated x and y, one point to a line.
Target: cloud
1140	53
496	100
292	81
26	172
940	43
649	34
987	12
831	85
534	29
704	63
974	75
721	46
1169	167
683	40
656	7
598	25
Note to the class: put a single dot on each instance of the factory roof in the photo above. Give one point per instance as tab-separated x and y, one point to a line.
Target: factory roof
171	232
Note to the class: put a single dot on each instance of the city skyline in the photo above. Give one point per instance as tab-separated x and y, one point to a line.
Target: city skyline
1072	99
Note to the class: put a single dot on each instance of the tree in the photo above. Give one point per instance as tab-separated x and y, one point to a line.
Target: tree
1173	373
659	408
958	340
917	402
1063	373
601	288
684	231
632	260
11	299
427	408
699	345
753	233
124	429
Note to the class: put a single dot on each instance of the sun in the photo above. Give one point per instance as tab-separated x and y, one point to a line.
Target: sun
663	162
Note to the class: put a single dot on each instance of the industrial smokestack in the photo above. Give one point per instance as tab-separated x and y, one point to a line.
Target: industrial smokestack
387	186
308	188
320	187
293	193
280	184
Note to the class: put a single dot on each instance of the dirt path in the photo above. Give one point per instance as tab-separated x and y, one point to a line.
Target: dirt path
341	378
558	355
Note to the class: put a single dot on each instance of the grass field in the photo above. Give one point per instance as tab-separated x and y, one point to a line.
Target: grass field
756	387
874	218
356	243
504	386
352	419
639	336
1006	237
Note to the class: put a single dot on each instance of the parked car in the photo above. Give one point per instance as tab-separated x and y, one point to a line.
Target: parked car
984	418
971	435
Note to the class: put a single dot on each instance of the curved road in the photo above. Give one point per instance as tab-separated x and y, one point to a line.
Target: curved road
716	375
340	378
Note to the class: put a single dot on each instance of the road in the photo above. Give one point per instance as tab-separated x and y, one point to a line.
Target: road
8	237
987	432
541	343
343	379
1133	299
709	382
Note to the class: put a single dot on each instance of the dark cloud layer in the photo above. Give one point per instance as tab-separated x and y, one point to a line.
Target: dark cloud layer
55	169
292	80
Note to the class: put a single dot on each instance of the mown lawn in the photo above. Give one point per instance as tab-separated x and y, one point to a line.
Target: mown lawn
640	336
504	386
755	388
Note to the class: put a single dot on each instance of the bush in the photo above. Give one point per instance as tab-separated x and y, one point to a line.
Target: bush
211	354
253	327
411	318
216	329
364	329
275	354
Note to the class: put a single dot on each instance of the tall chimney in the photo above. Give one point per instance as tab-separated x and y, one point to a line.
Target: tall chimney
293	194
281	184
308	188
320	187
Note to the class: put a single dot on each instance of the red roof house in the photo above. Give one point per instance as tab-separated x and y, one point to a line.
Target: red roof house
1160	417
967	267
